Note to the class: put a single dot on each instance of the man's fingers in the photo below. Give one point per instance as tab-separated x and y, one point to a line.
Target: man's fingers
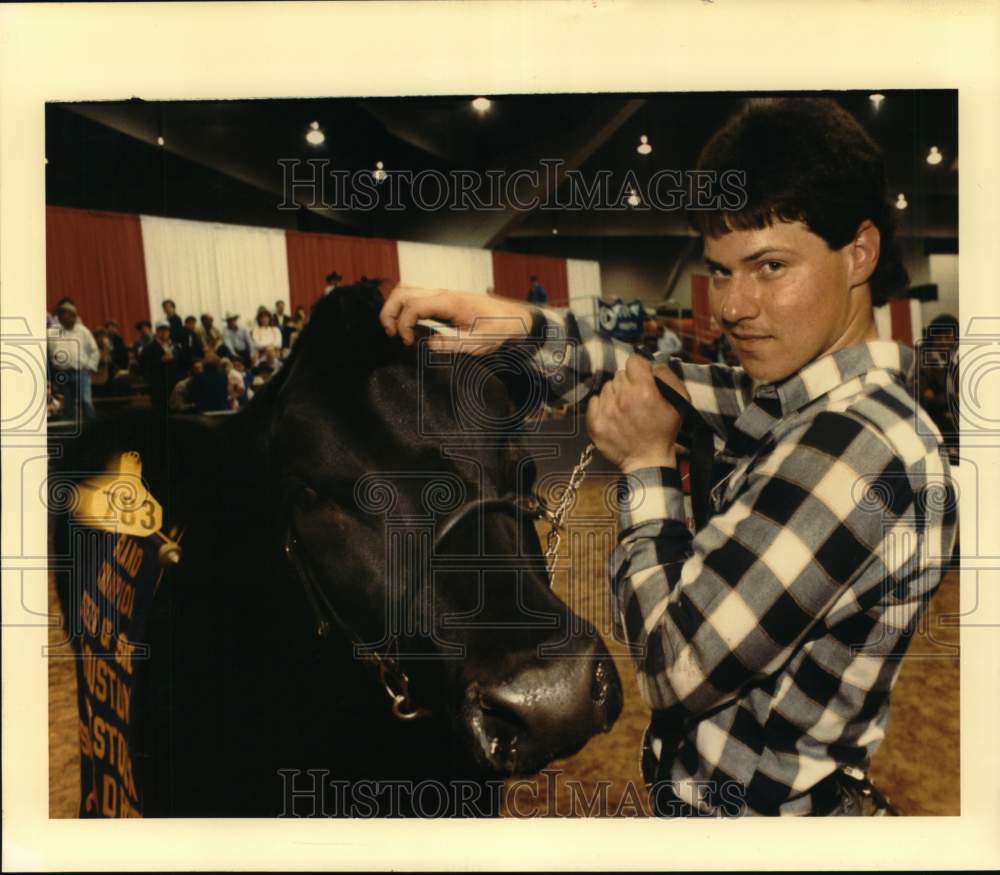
394	304
417	308
637	368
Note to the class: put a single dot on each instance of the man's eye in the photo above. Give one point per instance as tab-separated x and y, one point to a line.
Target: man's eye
772	267
719	273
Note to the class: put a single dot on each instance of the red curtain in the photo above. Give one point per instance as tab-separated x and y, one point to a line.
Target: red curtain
96	259
511	272
311	256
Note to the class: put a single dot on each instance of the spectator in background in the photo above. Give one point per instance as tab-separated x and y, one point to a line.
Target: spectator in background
264	333
237	340
245	378
295	326
176	326
283	322
144	337
332	281
208	334
160	366
73	356
180	395
119	351
209	390
272	359
191	347
536	294
938	376
235	385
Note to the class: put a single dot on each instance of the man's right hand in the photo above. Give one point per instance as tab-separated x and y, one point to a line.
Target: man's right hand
483	322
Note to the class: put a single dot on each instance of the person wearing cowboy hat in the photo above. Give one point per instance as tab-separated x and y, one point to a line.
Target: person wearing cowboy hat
238	340
332	281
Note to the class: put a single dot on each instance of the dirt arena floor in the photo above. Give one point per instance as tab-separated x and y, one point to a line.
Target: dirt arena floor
917	766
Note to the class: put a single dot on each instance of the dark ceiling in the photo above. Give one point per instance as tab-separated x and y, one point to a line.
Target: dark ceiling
219	159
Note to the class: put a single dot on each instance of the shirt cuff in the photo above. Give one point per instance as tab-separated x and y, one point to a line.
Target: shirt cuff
647	495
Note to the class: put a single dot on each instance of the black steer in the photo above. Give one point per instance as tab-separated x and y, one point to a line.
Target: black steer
350	509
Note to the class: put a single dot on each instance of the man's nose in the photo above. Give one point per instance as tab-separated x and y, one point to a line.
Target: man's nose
739	301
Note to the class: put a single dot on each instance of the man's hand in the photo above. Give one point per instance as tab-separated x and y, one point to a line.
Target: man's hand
484	322
629	421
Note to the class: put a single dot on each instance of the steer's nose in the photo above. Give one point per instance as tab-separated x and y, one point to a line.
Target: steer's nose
547	710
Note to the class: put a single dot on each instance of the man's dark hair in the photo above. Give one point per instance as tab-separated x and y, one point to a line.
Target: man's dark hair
807	160
190	319
143	323
168	301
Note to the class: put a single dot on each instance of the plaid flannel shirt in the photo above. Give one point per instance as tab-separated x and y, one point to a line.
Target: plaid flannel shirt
768	642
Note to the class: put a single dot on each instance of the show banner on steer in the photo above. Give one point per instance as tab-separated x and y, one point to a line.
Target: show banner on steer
118	558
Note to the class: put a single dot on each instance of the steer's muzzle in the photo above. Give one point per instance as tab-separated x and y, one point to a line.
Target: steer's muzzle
546	710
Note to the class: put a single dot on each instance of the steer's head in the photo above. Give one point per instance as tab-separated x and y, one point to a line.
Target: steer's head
383	452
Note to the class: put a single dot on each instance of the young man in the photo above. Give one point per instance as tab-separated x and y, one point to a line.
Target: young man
768	642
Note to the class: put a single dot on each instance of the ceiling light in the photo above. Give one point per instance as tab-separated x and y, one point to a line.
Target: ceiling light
876	100
633	199
481	104
934	156
315	136
555	231
159	141
643	148
379	173
901	202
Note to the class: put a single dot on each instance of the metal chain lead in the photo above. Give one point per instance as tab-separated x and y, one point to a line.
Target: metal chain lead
557	516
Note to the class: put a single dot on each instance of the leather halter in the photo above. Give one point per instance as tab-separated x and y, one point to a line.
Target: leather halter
394	680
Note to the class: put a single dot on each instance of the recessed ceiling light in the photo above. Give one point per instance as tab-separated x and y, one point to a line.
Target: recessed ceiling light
555	231
481	104
633	199
315	136
160	141
876	100
643	148
901	202
379	172
934	156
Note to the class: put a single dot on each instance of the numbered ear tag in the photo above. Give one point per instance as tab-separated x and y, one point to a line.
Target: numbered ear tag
119	501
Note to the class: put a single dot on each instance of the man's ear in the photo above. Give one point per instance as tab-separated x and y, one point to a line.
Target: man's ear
864	251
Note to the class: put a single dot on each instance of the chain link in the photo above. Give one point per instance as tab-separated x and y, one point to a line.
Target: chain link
557	517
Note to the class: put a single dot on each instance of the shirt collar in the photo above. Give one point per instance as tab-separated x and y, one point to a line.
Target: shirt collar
820	377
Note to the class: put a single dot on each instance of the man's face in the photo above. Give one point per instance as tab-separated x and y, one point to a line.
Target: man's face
67	318
279	307
112	329
169	309
163	335
190	325
781	296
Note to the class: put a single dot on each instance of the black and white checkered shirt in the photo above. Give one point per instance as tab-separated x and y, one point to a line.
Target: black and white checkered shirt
767	643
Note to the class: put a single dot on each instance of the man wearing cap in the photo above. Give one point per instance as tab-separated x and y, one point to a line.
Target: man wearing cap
238	340
73	356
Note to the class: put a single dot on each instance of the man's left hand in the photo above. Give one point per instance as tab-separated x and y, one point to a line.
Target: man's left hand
630	422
